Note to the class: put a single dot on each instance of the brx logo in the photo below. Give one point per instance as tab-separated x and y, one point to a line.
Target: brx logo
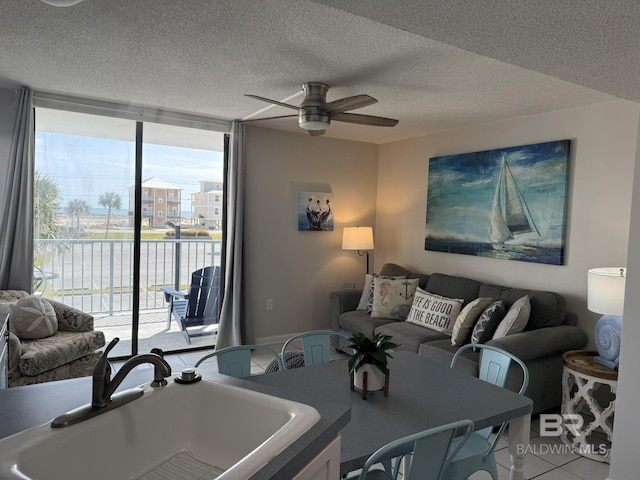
552	424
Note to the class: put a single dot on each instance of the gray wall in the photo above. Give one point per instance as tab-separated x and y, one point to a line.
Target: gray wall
299	269
603	226
624	464
601	170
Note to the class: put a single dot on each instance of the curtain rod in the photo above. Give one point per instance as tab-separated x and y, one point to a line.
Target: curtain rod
129	112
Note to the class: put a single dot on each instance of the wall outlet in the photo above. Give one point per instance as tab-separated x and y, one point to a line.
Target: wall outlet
349	285
269	303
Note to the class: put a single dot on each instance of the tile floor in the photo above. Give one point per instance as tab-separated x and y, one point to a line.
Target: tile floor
541	465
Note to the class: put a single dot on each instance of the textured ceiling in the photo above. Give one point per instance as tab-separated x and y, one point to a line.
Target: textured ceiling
431	64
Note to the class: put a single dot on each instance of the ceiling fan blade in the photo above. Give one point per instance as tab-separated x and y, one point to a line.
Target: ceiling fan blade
268	100
364	119
316	133
266	118
349	103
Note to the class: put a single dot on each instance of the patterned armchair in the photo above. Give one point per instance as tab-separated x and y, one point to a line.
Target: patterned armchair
69	353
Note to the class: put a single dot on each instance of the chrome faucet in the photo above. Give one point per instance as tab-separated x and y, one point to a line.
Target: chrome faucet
103	397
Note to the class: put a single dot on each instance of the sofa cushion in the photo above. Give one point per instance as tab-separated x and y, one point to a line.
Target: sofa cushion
394	270
13	359
548	309
486	325
454	287
515	319
33	317
467	318
71	319
392	298
47	353
434	311
82	367
12	296
357	321
366	291
409	336
5	307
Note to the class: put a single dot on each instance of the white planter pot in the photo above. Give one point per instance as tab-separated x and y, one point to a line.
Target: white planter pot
375	378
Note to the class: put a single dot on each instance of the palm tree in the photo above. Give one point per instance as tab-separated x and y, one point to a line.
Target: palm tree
46	203
111	200
77	208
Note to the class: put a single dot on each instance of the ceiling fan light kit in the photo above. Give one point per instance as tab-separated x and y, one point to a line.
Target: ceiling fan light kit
313	121
315	113
61	3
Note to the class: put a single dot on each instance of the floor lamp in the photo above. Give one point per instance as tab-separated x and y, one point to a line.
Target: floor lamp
358	238
605	295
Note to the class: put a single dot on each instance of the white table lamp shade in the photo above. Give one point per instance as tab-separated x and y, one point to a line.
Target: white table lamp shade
605	290
357	238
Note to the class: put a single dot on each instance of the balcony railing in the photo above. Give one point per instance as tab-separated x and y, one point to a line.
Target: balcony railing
96	276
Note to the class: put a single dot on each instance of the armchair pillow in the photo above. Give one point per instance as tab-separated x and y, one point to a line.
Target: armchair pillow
33	317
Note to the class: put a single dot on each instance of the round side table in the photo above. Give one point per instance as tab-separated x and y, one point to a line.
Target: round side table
589	394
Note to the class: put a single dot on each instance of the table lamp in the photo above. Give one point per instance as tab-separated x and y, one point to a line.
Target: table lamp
605	295
358	238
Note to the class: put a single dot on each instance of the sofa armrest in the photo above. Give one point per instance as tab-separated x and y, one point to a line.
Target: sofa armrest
344	300
13	359
12	296
71	319
542	342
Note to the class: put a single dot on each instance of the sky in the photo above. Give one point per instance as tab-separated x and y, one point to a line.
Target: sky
87	167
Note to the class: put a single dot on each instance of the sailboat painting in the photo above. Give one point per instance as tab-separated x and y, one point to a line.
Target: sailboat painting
507	203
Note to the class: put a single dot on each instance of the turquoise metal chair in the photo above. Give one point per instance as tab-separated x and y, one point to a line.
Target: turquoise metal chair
426	453
316	346
236	361
478	452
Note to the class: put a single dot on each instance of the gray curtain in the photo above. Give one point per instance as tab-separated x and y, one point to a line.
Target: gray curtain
16	210
233	329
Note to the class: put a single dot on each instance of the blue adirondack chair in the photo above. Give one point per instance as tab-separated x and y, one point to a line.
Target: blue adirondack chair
197	310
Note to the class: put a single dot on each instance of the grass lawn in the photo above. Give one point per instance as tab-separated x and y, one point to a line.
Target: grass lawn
148	235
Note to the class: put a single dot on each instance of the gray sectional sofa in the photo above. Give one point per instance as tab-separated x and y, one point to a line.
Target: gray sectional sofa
550	331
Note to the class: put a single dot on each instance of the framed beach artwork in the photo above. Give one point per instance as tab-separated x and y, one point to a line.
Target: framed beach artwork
315	212
507	203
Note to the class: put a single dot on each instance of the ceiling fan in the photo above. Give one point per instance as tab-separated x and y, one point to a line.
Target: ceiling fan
315	113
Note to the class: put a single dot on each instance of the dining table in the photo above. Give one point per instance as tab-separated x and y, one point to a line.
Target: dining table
422	394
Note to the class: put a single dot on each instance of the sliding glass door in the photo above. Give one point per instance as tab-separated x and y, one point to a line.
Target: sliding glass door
124	211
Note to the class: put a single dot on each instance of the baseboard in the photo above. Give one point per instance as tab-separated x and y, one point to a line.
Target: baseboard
274	340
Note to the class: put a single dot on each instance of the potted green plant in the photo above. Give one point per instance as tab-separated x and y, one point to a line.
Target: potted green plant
370	355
